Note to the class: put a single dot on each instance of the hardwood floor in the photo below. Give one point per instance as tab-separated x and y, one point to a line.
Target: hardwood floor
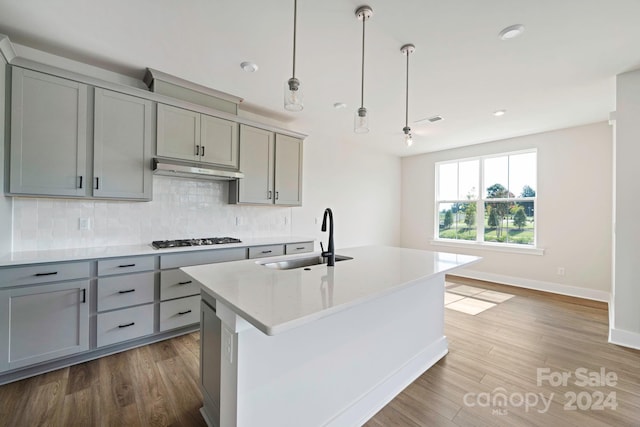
493	354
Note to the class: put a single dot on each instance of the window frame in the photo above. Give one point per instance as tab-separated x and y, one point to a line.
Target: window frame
481	201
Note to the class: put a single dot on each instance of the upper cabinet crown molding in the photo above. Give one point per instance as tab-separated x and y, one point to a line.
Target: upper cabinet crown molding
6	48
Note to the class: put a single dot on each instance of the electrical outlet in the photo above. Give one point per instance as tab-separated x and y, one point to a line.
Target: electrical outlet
84	224
560	271
227	343
317	220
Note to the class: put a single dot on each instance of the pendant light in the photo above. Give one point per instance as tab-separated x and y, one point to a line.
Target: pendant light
292	91
407	49
361	123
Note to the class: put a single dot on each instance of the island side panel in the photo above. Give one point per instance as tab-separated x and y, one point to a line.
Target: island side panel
339	370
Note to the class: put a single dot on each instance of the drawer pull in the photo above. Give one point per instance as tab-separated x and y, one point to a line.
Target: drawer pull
46	274
299	248
266	252
126	265
127	325
184	312
185	283
84	296
127	291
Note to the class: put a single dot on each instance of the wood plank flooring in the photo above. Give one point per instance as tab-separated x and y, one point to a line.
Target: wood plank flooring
492	354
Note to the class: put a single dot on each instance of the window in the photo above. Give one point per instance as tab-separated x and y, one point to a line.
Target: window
488	199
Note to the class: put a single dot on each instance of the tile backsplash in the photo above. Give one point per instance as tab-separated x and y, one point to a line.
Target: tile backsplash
180	209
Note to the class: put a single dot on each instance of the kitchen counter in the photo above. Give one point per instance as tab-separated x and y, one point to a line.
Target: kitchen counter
319	346
275	301
78	254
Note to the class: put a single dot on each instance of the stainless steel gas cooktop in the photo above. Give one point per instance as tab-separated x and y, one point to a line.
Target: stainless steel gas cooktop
163	244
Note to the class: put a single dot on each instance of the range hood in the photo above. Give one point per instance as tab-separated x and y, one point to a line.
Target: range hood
163	167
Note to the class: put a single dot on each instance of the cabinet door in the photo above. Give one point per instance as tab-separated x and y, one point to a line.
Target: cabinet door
43	322
288	171
210	359
218	141
48	135
256	162
122	146
178	133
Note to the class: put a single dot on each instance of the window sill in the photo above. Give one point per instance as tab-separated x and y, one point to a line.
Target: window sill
514	249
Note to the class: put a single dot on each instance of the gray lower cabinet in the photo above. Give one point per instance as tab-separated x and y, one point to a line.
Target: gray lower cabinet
272	165
48	135
50	139
43	322
125	299
189	135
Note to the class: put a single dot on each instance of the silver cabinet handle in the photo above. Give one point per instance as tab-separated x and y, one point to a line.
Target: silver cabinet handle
277	195
269	194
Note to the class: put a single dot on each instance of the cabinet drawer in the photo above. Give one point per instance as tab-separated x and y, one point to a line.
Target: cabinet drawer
177	284
124	265
179	312
124	291
264	251
185	259
40	273
126	324
298	248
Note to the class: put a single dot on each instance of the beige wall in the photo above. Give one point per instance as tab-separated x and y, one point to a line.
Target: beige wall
573	211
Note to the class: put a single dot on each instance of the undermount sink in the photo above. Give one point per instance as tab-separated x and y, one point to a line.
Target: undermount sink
301	262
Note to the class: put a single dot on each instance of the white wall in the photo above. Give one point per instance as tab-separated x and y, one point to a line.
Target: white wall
625	325
5	202
573	211
361	187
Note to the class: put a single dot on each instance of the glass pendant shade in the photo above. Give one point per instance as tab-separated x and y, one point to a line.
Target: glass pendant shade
293	96
408	139
361	122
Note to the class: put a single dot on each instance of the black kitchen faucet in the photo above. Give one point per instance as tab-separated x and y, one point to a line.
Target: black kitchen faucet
330	253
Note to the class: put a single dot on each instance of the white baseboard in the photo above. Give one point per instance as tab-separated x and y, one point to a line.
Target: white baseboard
624	338
377	398
556	288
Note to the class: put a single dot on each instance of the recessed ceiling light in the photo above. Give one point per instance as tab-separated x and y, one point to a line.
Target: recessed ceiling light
499	113
339	105
511	32
249	67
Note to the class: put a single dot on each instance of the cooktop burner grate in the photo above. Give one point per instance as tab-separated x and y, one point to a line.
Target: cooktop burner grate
163	244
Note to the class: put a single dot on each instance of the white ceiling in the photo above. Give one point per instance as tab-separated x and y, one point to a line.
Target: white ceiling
559	73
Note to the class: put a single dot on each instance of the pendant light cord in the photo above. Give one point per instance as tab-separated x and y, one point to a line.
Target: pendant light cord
295	25
406	118
364	18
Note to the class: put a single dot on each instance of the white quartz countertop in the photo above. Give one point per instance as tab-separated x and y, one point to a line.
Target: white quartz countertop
79	254
277	300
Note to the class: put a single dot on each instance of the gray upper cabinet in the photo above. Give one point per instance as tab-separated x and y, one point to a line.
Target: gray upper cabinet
192	136
272	165
50	143
178	133
218	141
122	146
48	135
256	162
288	171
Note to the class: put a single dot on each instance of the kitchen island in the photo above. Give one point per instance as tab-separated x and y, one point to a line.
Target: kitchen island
319	345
